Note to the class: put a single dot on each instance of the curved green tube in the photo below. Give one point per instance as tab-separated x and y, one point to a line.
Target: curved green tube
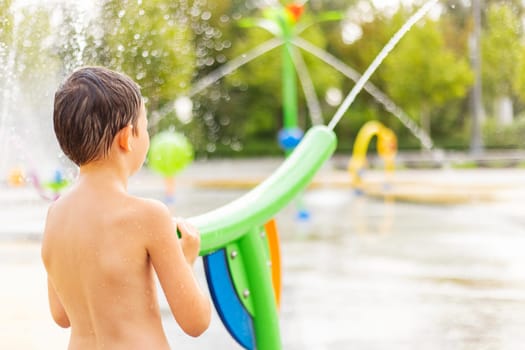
266	318
228	223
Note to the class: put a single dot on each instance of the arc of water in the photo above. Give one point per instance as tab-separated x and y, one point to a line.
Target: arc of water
369	87
234	64
307	84
378	60
220	72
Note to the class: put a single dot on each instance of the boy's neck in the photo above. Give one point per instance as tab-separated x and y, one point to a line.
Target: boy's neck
103	175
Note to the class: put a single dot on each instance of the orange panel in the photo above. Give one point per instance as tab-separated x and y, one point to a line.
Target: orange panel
275	256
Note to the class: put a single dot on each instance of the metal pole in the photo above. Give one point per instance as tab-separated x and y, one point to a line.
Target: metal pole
476	141
289	88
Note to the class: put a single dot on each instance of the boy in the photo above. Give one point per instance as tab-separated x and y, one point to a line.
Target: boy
102	246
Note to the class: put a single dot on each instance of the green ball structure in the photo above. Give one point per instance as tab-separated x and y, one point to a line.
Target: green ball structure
169	153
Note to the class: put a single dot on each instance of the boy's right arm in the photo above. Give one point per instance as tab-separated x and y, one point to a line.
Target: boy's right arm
188	303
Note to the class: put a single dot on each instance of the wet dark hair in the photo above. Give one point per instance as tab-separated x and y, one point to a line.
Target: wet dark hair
91	106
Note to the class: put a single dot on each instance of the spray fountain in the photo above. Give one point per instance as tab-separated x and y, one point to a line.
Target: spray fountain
239	241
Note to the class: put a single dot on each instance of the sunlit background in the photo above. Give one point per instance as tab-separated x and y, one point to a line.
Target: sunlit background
426	256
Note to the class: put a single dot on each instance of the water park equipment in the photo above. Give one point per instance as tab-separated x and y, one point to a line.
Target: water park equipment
233	240
169	153
15	177
282	22
386	148
50	189
234	230
392	188
242	292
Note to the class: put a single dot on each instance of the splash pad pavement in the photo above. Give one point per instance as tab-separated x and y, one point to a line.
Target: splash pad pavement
454	256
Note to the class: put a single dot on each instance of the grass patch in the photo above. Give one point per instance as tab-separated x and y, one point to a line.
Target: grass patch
469	164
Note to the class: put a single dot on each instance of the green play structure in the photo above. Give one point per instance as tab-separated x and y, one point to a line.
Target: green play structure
239	248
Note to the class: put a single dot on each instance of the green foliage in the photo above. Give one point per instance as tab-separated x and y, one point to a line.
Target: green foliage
375	34
28	59
504	136
422	74
518	83
152	42
168	45
6	23
427	74
468	164
6	36
35	59
501	49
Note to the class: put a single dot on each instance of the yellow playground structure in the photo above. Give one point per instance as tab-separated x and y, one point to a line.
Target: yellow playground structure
430	186
386	148
407	187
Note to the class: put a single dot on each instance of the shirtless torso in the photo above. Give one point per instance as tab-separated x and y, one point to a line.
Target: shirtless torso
101	253
102	247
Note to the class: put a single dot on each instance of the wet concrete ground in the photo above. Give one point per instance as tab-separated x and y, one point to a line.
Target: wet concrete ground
363	273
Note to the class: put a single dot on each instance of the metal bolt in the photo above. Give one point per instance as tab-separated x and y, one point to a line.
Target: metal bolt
263	234
233	254
246	293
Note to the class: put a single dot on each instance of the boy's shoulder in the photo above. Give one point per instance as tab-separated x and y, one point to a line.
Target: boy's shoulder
150	210
130	208
151	216
150	206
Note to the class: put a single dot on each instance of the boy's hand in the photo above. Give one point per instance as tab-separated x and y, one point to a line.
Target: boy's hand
190	240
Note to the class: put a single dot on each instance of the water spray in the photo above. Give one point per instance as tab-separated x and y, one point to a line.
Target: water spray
378	60
380	96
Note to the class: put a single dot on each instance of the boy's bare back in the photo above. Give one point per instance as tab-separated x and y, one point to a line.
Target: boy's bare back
102	248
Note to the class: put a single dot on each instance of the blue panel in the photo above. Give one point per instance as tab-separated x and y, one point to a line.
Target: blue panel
230	309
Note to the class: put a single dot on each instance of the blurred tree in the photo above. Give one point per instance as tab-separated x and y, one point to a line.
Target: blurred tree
422	74
6	37
367	31
501	47
167	46
6	23
459	13
32	70
423	52
36	64
6	31
75	37
151	41
519	79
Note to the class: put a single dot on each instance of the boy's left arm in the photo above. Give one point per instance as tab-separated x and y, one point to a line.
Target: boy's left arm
57	309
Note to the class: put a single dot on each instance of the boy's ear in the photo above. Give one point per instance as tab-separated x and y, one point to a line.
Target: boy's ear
124	138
